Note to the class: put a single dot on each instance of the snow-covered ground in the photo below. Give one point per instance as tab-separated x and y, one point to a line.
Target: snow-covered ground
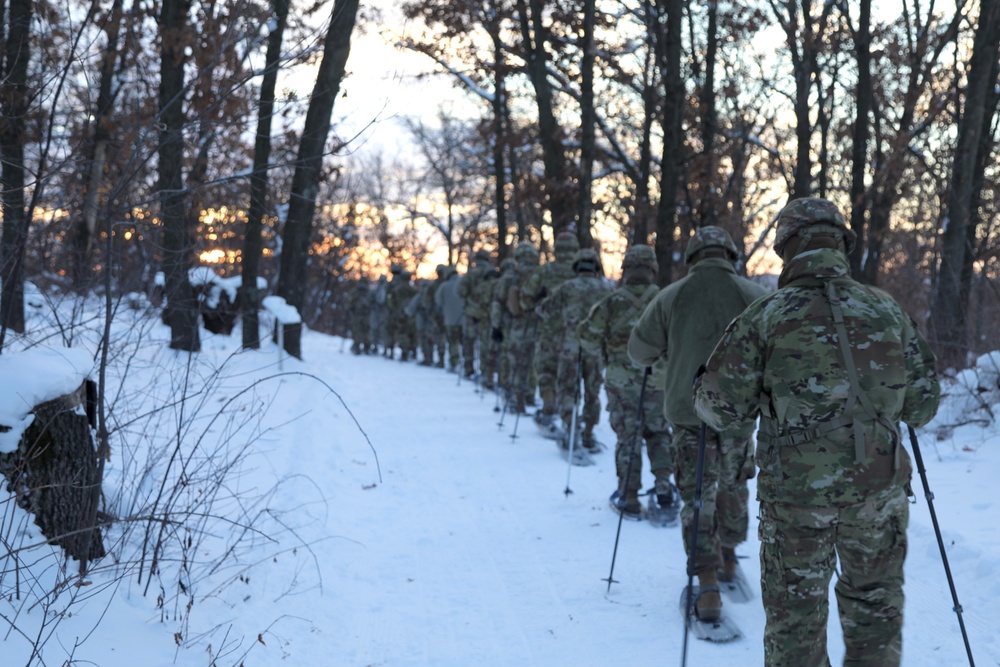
445	541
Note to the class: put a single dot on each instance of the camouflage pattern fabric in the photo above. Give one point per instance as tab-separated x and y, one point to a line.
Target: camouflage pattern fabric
488	348
723	518
379	318
360	309
569	305
784	351
710	237
434	331
476	311
605	331
401	291
832	479
800	547
501	319
540	283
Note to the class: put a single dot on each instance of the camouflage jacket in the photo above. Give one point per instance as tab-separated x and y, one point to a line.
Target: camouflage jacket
542	281
569	305
683	324
400	293
361	300
607	328
783	359
500	315
468	289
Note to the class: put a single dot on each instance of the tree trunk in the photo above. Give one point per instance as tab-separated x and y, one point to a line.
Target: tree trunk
674	103
587	121
181	310
309	164
499	106
709	123
97	154
863	102
252	245
550	136
948	316
13	111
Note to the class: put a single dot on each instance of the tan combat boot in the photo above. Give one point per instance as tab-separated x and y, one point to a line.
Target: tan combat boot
708	606
729	564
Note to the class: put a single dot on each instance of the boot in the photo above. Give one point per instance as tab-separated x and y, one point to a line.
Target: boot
729	564
629	507
708	606
548	401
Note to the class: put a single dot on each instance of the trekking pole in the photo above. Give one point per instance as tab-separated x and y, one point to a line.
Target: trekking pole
698	474
640	419
573	419
940	541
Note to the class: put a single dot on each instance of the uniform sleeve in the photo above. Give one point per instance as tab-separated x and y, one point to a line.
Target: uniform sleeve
923	388
648	340
726	395
593	328
529	290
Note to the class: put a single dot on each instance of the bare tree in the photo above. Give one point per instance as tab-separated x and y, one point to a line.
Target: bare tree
309	164
14	101
252	244
951	299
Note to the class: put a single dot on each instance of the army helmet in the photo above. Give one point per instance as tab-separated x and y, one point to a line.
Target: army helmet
566	245
482	255
819	216
640	257
526	254
587	260
710	236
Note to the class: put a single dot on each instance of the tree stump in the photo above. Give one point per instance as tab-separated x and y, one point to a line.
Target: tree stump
55	473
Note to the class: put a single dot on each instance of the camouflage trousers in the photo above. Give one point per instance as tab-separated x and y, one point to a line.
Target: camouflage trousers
547	359
520	339
623	410
488	350
799	549
431	338
360	334
722	520
453	339
568	386
470	334
406	336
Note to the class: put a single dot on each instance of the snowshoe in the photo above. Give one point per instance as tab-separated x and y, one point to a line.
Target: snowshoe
720	630
663	510
628	510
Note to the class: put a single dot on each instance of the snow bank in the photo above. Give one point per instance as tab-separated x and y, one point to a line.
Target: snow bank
969	400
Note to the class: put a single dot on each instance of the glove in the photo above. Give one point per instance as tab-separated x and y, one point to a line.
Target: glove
497	335
542	293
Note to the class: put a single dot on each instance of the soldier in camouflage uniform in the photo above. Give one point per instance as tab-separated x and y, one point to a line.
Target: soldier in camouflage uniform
389	325
379	319
606	331
361	310
476	311
452	308
568	305
401	292
519	339
537	286
831	367
434	331
682	326
501	319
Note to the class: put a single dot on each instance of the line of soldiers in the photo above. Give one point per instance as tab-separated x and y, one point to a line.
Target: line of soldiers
828	365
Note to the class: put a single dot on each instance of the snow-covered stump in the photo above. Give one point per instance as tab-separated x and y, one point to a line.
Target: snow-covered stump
52	469
287	326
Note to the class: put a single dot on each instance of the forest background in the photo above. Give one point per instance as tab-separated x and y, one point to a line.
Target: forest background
155	137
